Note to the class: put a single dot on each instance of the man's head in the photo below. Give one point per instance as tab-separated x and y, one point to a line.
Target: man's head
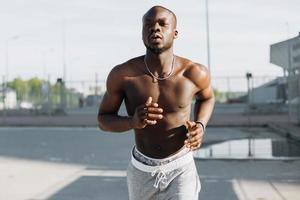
159	29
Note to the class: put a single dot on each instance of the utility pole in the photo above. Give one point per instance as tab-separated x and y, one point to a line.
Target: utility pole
49	95
3	95
249	76
64	79
207	35
7	69
228	88
96	84
64	49
289	52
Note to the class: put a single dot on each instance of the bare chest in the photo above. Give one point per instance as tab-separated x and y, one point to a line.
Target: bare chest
173	94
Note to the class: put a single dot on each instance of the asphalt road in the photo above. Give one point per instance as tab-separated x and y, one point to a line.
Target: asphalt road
87	164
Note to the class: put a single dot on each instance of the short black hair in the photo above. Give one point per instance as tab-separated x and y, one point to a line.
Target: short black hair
164	8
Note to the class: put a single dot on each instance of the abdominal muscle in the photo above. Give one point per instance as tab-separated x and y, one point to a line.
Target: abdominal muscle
164	138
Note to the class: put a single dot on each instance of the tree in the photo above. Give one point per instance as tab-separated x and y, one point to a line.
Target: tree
31	90
35	86
21	88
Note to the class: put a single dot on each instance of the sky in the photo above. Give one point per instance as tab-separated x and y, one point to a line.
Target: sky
100	34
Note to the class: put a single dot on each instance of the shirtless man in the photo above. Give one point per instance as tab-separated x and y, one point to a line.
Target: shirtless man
158	89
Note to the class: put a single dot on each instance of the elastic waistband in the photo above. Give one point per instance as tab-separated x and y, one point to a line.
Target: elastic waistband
174	164
154	161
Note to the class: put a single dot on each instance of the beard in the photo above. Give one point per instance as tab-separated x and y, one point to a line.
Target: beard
157	50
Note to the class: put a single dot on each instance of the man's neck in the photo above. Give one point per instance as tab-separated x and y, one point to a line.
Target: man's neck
160	63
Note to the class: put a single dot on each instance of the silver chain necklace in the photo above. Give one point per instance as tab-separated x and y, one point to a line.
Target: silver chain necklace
159	78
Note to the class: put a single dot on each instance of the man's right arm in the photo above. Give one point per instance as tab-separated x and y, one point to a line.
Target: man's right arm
108	118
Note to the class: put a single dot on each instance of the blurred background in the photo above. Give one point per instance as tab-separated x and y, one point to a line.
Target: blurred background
54	60
55	56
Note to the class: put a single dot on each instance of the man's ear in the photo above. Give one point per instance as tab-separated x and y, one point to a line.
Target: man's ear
175	34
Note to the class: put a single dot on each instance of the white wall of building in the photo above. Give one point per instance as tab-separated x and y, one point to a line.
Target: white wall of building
10	100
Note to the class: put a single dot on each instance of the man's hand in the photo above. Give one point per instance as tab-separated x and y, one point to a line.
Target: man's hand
146	114
195	135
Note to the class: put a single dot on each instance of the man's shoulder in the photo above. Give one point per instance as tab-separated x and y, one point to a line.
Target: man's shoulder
119	73
195	72
191	67
128	66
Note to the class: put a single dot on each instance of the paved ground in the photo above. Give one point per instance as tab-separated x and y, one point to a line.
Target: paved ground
53	162
85	164
225	115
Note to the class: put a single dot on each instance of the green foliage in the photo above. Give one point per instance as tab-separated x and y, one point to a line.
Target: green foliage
220	96
223	97
21	88
35	86
31	90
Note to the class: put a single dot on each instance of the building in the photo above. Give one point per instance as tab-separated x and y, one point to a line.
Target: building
8	99
272	92
286	54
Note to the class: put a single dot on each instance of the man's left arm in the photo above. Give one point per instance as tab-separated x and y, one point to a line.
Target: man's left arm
203	107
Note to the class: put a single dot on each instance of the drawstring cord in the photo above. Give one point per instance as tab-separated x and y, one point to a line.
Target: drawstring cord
160	178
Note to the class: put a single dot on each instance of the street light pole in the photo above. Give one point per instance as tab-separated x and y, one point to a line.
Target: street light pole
207	35
6	62
64	96
64	50
7	70
96	84
249	76
44	57
6	54
288	37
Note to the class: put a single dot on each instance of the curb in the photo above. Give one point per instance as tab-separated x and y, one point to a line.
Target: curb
284	132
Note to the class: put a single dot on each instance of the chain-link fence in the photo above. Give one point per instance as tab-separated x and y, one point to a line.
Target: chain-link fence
236	88
36	96
58	97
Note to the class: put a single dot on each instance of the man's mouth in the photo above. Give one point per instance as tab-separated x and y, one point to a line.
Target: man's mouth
155	37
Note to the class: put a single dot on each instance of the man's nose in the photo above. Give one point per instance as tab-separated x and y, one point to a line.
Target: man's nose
155	28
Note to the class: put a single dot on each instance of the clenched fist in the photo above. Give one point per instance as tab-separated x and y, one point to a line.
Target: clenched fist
195	135
146	114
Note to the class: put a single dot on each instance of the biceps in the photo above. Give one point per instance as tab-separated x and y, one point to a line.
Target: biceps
110	103
206	93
